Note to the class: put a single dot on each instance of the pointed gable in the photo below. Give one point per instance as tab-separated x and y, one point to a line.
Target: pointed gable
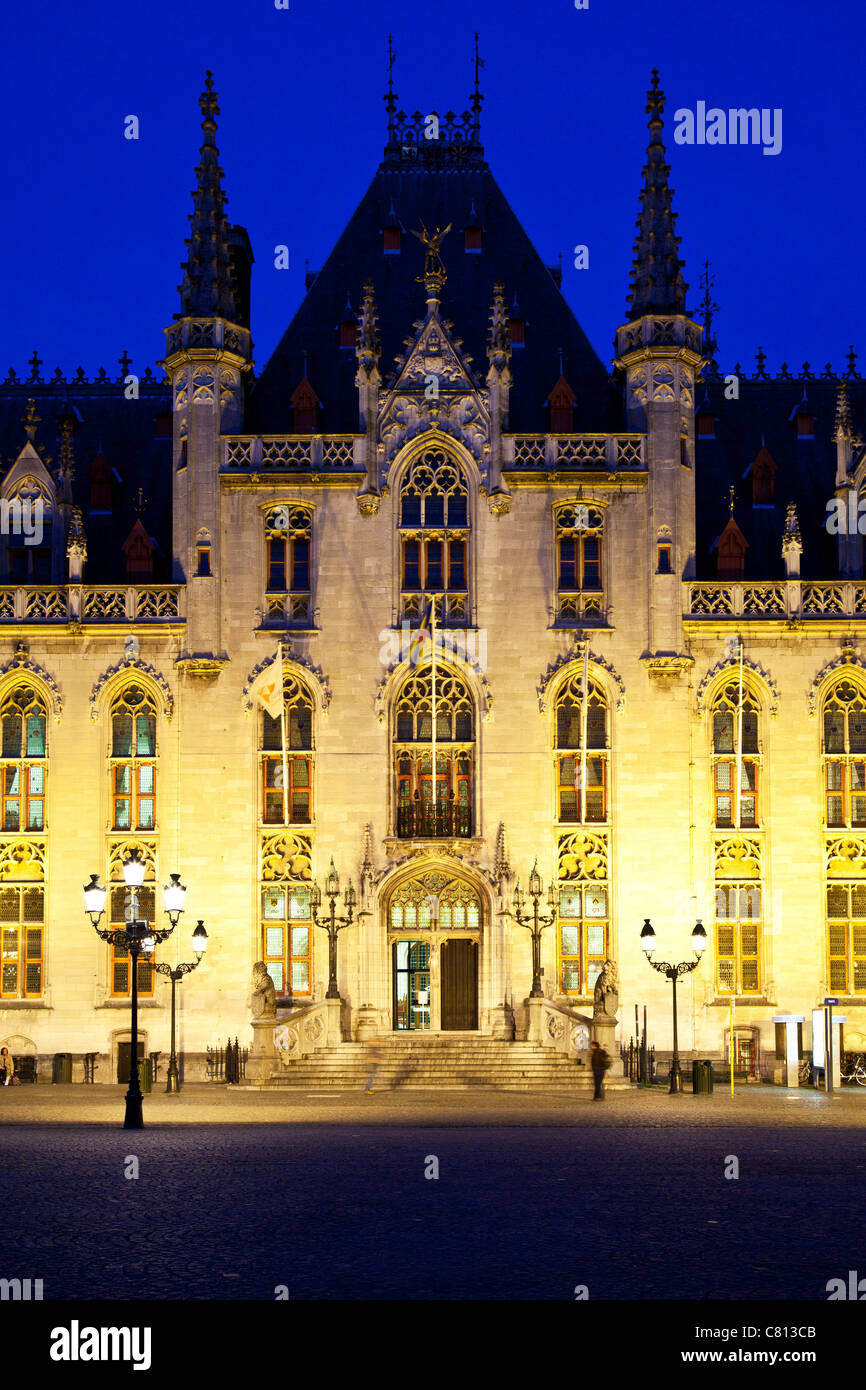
101	479
761	472
561	402
305	405
730	549
28	478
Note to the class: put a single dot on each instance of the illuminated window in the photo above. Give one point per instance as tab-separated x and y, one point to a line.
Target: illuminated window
735	745
581	761
434	538
583	925
846	937
738	938
133	760
24	761
22	915
298	761
120	963
288	534
844	728
287	933
579	586
417	814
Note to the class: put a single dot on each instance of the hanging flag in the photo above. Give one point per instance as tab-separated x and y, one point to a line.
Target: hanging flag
267	688
423	633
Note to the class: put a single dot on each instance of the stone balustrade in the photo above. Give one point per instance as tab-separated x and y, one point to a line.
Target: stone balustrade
791	599
606	452
91	603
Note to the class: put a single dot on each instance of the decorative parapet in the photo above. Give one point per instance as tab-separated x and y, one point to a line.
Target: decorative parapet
564	1029
47	603
198	335
786	599
607	453
293	452
303	1030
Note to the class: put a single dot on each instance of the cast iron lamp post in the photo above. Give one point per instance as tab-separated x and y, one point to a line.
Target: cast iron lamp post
673	972
333	925
534	923
175	973
138	938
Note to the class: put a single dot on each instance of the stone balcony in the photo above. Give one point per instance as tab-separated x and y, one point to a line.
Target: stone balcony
84	604
790	600
608	453
249	453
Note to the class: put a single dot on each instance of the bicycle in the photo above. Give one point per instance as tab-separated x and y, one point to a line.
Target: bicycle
856	1071
805	1072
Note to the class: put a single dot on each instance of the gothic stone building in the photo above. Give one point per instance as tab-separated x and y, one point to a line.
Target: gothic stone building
434	424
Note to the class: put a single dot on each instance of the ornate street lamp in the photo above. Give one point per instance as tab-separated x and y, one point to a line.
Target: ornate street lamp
535	923
175	973
673	972
333	925
138	937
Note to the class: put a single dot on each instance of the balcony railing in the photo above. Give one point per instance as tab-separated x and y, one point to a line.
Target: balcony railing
606	452
51	603
264	453
790	599
447	820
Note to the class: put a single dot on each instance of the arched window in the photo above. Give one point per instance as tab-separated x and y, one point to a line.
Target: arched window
423	813
434	536
581	753
24	759
133	760
579	530
294	771
845	755
736	757
288	532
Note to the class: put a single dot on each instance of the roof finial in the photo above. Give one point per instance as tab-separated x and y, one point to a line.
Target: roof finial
709	308
477	98
390	99
657	285
731	499
434	276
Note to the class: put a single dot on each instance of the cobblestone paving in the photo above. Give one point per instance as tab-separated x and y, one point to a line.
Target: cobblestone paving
241	1192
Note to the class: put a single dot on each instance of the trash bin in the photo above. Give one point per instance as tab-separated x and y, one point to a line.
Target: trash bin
145	1073
61	1071
702	1078
708	1077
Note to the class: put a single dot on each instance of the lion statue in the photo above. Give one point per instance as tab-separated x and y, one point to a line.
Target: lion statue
264	1000
606	996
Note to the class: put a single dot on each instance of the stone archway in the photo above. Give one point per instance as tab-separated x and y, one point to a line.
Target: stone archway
434	928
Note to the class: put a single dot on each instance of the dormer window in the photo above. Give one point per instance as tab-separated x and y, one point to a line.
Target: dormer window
561	401
803	419
101	484
516	326
762	474
391	240
347	328
706	423
730	549
138	549
305	403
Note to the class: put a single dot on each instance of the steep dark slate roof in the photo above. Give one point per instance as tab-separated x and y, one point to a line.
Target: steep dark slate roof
806	471
433	197
126	432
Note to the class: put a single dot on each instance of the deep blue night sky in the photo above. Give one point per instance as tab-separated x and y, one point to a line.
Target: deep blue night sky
93	230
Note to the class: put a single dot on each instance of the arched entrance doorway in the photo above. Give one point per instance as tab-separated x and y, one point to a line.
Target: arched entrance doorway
434	939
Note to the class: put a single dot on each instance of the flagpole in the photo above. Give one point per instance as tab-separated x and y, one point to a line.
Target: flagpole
740	737
584	701
433	676
283	739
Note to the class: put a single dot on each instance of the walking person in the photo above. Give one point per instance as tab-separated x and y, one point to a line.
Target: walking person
599	1061
375	1058
7	1067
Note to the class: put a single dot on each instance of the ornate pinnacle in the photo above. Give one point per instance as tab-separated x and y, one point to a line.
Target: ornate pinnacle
498	344
208	283
477	98
76	541
30	419
66	467
843	412
657	285
368	346
791	537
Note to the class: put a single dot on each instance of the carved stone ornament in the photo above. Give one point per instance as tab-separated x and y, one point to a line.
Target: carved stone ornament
264	997
606	993
574	655
732	666
132	664
21	661
667	668
846	659
291	658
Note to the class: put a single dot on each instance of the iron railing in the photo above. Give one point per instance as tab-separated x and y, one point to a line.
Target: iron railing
421	820
228	1063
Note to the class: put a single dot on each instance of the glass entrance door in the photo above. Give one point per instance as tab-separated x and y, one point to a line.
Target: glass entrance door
411	985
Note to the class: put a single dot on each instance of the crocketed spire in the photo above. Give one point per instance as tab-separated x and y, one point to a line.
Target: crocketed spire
657	285
208	283
498	345
843	412
368	347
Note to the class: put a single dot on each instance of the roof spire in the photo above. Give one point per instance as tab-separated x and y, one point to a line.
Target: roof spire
843	412
390	99
208	290
657	285
477	98
368	346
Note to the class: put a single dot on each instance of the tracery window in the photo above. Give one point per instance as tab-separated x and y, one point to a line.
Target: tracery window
419	814
288	535
579	587
24	759
434	538
287	932
846	937
735	745
22	917
133	760
738	937
844	755
298	762
584	932
581	762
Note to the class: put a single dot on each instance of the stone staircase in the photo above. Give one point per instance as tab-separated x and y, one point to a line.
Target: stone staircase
453	1062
